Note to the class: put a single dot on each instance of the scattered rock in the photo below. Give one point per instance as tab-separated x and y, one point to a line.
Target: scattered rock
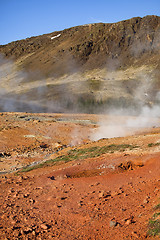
63	198
26	195
32	200
27	230
57	146
38	188
52	178
126	166
104	194
24	177
135	234
113	223
44	145
123	209
44	226
100	195
146	200
33	233
129	220
139	190
80	203
59	205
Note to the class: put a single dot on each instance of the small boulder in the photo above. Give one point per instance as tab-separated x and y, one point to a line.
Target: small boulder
113	223
104	194
44	226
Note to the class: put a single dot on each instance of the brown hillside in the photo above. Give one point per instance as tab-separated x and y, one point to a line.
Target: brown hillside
126	40
84	62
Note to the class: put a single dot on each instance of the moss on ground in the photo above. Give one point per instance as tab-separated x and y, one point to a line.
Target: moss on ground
81	154
154	222
153	144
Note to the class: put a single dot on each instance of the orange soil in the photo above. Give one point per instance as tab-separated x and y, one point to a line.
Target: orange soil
81	199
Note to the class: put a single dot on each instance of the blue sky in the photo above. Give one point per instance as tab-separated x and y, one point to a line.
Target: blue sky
20	19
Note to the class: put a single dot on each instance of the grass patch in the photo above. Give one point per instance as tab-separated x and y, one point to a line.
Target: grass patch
94	151
94	84
81	154
28	169
154	223
155	215
45	164
153	144
154	227
157	207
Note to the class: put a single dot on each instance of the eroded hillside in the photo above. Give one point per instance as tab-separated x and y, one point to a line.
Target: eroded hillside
85	68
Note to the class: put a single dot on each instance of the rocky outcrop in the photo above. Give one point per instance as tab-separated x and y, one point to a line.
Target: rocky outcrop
126	40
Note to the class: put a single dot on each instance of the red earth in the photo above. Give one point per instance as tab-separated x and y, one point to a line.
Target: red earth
106	189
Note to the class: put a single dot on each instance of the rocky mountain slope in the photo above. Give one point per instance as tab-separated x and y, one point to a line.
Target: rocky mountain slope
84	68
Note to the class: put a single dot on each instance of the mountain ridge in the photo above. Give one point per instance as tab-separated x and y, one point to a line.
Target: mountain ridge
97	38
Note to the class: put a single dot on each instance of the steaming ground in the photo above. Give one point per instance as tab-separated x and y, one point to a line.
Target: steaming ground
86	187
27	138
116	125
129	91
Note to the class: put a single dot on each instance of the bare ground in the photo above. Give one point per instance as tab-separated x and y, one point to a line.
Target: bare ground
105	189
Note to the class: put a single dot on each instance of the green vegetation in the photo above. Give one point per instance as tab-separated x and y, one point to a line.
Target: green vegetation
81	154
154	223
88	104
153	144
154	226
94	84
157	207
44	164
94	152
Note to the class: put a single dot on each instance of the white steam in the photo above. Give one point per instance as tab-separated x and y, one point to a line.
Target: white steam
26	91
118	122
122	125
